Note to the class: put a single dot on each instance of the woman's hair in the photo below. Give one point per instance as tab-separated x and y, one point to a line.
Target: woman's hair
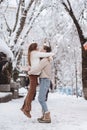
47	48
31	48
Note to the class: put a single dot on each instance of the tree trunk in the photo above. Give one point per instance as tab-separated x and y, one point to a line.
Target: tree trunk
84	72
55	75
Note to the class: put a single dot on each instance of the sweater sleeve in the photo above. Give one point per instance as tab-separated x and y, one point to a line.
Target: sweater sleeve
44	54
40	67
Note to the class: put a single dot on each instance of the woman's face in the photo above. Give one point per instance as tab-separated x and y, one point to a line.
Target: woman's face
37	48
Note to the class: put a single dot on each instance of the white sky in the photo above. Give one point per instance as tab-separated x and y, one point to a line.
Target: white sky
67	113
14	2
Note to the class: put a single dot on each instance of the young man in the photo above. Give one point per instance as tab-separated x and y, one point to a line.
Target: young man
44	69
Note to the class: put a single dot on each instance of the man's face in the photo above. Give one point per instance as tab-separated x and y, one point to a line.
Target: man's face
43	50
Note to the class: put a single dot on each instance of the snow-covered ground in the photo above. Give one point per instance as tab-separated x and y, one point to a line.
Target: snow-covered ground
67	113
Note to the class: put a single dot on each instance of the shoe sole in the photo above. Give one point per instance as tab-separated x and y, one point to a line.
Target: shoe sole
39	119
42	121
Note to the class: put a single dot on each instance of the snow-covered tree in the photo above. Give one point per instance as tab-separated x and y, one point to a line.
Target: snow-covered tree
68	29
82	38
27	11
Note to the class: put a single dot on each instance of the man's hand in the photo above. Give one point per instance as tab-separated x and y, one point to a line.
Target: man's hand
85	46
29	72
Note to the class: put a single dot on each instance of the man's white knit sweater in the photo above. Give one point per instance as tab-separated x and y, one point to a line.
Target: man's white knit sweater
35	58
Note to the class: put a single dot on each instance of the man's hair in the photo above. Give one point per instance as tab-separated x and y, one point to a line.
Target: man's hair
47	48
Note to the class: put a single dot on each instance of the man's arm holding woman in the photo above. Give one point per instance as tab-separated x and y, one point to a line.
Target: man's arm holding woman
40	67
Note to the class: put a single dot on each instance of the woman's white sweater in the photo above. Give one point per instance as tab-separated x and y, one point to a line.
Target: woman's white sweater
35	57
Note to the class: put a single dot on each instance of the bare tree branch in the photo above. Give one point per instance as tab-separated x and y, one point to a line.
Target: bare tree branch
17	15
66	7
41	9
82	17
22	21
79	30
1	1
32	22
32	14
8	28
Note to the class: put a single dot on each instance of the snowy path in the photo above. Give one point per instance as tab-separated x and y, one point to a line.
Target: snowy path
67	113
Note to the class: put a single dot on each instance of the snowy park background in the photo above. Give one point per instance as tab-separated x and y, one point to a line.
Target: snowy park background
46	22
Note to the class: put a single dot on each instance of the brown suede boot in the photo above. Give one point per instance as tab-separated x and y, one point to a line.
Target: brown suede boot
46	118
41	116
26	113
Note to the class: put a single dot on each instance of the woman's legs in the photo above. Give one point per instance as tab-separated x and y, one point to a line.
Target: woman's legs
32	89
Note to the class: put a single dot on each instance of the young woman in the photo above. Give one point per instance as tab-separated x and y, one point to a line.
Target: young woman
34	56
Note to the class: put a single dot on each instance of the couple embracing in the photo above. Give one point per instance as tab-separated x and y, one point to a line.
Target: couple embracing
40	66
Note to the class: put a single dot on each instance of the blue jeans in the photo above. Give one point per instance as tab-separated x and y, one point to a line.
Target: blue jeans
44	86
